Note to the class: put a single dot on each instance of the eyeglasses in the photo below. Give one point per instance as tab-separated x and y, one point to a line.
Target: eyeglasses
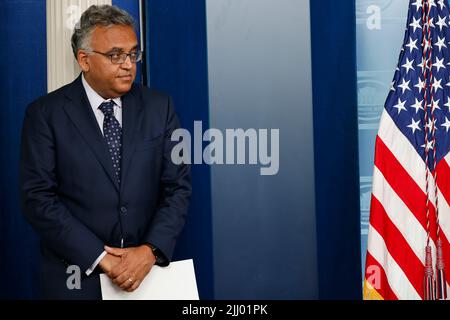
119	58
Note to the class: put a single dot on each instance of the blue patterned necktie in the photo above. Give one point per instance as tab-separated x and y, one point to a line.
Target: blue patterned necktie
113	135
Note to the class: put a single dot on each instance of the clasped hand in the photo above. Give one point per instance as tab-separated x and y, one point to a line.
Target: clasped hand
127	267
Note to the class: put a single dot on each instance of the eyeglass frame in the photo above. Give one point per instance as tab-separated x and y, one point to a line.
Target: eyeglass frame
139	53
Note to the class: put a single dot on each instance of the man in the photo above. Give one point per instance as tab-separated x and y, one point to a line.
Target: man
97	181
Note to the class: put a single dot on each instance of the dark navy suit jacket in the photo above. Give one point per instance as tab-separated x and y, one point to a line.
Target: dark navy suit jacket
70	195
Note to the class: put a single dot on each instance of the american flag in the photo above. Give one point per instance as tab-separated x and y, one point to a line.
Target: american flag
410	204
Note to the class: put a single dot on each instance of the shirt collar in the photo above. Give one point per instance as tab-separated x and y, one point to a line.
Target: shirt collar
94	98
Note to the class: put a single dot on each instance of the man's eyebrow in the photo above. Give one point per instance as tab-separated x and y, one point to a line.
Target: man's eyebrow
115	49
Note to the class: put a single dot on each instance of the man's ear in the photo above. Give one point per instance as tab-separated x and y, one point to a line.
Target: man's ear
83	60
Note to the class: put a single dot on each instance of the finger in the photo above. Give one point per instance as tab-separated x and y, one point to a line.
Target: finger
135	285
118	252
119	280
125	286
123	278
128	283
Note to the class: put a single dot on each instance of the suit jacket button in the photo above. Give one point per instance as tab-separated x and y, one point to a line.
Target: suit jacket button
123	209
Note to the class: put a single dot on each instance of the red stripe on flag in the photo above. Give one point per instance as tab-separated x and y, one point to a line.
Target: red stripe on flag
397	245
376	277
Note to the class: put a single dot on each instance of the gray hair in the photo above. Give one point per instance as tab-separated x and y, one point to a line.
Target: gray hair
103	15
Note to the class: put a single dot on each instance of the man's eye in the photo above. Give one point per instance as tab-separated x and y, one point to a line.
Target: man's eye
115	55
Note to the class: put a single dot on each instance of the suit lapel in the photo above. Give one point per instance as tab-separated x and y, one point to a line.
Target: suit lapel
80	112
131	111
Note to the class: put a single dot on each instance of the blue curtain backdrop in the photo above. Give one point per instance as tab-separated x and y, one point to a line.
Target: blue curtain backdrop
333	35
23	64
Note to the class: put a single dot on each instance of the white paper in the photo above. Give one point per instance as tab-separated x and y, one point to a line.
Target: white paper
174	282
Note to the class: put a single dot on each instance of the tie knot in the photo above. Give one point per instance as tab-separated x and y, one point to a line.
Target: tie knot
107	108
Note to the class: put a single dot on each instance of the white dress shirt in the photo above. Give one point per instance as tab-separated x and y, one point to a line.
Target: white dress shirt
95	101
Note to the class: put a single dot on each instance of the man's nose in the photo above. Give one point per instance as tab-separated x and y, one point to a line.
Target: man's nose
127	64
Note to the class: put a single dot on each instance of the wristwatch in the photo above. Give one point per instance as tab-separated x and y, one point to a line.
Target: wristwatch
157	253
